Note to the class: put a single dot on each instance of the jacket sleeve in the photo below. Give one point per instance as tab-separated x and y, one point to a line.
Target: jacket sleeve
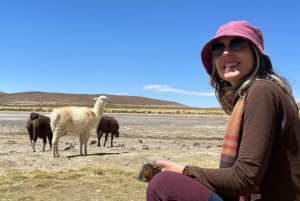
260	120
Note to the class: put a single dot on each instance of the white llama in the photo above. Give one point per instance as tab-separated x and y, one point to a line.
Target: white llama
76	120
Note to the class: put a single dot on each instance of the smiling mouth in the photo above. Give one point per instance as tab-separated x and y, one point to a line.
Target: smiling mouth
229	65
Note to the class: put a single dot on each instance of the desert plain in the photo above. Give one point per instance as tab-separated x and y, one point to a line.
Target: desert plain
185	139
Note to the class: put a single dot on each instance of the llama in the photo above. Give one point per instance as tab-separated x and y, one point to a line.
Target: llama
107	125
38	126
76	120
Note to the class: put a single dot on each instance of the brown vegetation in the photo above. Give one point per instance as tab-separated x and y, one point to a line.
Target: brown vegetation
45	102
55	99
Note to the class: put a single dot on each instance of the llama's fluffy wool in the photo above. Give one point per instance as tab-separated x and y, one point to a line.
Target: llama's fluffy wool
107	125
76	120
38	126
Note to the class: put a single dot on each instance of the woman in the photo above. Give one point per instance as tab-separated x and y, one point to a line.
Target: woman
260	157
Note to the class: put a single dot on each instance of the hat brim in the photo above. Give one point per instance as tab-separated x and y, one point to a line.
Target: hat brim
206	56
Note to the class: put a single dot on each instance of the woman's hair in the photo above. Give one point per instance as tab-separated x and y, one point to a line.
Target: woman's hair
228	95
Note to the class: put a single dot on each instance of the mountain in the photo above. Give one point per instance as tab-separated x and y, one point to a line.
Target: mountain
45	98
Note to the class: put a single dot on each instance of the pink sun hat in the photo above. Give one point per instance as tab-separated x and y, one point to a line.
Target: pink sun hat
234	28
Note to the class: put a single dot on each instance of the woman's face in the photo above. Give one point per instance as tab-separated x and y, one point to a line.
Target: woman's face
234	65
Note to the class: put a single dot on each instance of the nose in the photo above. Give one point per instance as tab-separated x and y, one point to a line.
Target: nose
227	51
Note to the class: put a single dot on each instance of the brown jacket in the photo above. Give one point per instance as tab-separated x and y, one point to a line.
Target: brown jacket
269	152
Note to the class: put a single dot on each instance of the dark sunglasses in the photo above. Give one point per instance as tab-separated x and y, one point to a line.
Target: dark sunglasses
235	44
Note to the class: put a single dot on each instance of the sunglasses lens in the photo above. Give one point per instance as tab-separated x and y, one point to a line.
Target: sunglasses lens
237	44
217	49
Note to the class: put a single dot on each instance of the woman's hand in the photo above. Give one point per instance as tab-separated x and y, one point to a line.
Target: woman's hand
170	166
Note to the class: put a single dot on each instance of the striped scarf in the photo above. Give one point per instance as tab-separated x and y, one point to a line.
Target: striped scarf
232	139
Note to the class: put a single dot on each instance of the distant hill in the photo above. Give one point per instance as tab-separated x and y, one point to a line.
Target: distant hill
35	98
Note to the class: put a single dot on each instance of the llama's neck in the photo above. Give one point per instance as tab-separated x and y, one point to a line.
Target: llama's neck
99	108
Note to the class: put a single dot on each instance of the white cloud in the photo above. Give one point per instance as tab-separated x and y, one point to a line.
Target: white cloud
166	88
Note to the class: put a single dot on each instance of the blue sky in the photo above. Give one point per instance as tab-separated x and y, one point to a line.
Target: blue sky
133	47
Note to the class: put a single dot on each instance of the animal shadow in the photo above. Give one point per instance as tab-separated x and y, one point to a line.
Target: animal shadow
96	154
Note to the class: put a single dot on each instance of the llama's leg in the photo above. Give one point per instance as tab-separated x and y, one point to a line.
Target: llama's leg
55	144
34	139
111	139
86	139
50	136
106	135
33	146
44	142
31	137
99	135
81	142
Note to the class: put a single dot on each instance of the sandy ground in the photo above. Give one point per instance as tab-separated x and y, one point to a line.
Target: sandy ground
140	137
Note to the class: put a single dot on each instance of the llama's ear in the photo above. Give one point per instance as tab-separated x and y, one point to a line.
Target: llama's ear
95	98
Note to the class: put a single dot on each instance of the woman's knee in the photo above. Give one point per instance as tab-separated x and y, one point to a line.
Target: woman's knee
158	187
174	186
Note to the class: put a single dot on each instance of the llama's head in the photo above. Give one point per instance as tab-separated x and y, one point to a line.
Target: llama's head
103	99
100	104
34	115
116	133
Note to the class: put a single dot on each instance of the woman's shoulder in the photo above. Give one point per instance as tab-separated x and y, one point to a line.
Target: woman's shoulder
265	83
265	91
265	86
263	98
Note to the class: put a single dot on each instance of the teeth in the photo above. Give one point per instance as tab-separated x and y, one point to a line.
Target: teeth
230	64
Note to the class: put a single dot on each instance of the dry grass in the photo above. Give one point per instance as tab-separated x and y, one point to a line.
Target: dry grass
100	181
86	183
128	109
